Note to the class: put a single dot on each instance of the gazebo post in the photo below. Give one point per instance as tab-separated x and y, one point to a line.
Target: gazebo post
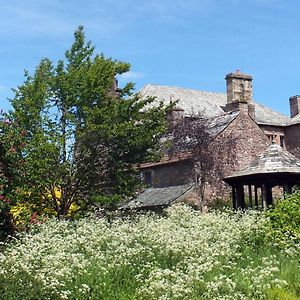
234	204
255	197
264	196
250	195
240	197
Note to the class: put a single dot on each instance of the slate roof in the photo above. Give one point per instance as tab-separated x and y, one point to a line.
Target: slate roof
154	197
208	103
274	160
216	125
295	120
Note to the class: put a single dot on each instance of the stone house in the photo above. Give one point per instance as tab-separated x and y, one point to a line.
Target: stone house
232	115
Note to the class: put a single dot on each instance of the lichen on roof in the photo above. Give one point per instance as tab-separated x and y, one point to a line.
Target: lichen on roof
209	104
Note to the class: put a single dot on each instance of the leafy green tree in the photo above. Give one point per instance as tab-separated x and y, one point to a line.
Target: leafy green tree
12	141
83	137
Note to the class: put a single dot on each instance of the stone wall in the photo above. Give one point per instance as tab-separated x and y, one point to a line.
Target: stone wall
292	139
171	174
236	147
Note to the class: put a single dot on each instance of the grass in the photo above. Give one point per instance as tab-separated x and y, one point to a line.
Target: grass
184	255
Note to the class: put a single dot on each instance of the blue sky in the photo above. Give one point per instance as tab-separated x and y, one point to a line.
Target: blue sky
191	44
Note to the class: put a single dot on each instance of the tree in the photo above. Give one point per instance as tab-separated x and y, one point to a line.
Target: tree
83	137
10	159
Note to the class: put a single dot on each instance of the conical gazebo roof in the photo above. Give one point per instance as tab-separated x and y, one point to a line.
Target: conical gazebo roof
274	163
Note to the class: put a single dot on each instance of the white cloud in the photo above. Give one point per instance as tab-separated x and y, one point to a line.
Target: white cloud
51	18
130	75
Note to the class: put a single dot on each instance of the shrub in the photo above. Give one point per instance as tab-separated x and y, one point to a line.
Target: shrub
220	204
6	225
284	221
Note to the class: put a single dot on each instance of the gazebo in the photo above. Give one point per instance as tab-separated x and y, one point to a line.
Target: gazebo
274	167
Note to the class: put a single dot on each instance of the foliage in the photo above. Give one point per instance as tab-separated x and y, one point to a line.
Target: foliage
279	294
183	255
83	136
285	220
12	144
6	226
220	204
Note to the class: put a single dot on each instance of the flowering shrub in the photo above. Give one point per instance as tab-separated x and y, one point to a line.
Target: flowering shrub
184	255
24	214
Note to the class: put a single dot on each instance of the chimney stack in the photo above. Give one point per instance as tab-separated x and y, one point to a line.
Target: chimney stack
239	87
239	92
175	116
294	105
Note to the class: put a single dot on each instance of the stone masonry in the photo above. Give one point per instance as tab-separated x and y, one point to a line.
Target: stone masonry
252	128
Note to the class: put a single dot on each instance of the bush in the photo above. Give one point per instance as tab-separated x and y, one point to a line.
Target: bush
220	204
284	220
6	225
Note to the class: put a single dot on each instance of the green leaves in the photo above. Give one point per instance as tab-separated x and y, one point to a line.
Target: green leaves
83	135
285	220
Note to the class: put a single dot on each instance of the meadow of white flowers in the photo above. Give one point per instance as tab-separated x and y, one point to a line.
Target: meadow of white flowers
184	255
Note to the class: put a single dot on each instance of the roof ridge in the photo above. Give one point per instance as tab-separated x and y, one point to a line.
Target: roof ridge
184	89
